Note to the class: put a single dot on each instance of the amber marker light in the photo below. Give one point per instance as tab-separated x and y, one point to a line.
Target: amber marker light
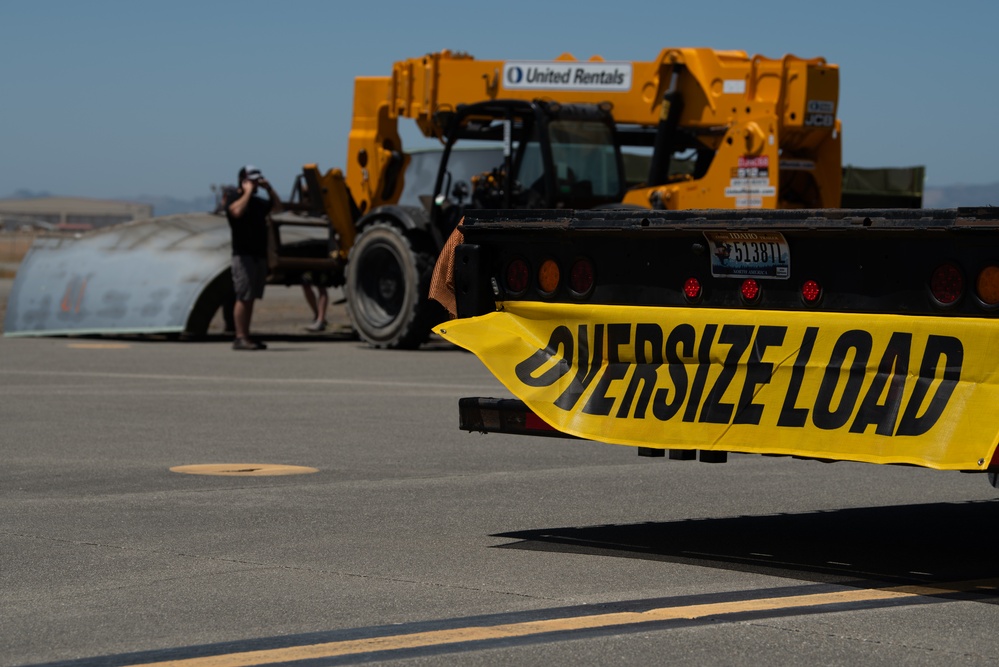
946	284
987	285
548	276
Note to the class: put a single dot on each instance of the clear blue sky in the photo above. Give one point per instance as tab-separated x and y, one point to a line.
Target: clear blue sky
114	98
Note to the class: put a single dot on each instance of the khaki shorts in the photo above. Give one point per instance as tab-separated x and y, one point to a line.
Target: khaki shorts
249	275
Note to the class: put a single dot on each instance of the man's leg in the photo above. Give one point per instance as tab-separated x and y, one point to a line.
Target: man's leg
310	298
228	318
248	277
324	302
242	313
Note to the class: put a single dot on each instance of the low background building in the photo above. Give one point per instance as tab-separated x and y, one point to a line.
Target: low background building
68	213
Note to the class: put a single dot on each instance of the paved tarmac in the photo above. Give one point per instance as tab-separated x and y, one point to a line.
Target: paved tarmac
414	543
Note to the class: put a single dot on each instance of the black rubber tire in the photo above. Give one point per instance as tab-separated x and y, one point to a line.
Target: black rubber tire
387	285
218	294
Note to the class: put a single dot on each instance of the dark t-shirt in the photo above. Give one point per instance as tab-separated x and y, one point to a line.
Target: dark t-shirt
249	232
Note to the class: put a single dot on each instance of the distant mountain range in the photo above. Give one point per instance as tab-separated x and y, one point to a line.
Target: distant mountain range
948	196
161	205
172	205
952	196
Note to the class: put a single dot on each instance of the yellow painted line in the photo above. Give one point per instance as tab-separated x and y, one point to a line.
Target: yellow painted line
243	469
528	628
99	346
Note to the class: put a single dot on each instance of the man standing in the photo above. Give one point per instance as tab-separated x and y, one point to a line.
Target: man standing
247	215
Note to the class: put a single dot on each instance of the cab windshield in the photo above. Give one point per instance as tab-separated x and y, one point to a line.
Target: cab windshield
589	148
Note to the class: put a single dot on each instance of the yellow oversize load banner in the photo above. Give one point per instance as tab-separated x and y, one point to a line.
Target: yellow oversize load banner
874	388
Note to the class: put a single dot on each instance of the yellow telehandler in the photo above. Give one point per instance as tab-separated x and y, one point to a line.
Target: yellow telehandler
694	128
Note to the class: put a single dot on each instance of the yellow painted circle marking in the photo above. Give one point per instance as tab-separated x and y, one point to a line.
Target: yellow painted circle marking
243	469
99	346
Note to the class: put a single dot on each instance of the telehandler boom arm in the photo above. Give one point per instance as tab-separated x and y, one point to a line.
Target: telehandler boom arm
726	104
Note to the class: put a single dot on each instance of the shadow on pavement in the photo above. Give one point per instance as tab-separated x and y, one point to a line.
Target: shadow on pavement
909	544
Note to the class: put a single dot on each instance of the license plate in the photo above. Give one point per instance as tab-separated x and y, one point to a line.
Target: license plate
749	255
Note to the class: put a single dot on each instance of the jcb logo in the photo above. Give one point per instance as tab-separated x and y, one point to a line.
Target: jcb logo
819	120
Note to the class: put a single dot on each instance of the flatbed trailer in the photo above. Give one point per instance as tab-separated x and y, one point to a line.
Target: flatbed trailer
854	335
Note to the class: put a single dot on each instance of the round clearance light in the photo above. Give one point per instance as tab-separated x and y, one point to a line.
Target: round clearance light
517	276
692	290
548	276
947	284
750	290
581	277
987	285
811	292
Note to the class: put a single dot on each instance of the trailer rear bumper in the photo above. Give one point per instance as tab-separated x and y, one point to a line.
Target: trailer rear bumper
502	415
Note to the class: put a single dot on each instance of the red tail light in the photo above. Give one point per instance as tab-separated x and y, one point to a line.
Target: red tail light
692	290
581	277
750	290
947	284
811	292
517	276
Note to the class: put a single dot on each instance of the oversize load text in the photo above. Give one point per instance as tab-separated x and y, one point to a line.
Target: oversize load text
895	384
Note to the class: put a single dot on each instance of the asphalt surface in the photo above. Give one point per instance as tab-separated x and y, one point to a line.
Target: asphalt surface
415	543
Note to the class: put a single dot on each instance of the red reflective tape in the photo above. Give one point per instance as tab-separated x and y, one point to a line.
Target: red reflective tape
535	423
